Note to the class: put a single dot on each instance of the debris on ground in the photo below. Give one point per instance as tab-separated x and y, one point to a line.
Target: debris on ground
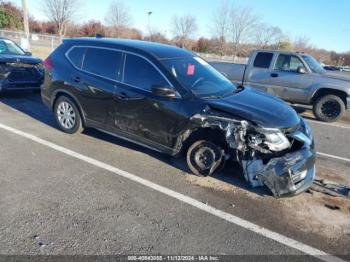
332	207
330	188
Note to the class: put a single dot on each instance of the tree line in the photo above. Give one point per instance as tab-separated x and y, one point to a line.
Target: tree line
235	30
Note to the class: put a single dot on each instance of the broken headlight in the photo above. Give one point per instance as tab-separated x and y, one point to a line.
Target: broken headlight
275	140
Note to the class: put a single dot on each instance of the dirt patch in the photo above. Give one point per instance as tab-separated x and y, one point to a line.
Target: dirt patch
209	182
329	174
308	212
311	213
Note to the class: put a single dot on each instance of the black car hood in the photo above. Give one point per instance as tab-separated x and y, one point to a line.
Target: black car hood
257	107
20	59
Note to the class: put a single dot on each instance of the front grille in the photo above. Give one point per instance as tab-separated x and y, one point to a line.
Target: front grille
298	177
24	75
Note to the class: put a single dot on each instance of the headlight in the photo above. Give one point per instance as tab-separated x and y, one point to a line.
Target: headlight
306	127
275	140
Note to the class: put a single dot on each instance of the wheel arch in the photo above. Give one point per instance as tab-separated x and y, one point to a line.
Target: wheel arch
212	134
329	91
61	92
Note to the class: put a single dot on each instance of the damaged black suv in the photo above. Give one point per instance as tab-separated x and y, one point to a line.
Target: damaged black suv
170	100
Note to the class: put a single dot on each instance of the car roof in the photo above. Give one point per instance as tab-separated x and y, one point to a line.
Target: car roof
280	51
160	51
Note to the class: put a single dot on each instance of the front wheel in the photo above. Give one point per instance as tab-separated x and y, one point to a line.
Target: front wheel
67	115
204	158
329	108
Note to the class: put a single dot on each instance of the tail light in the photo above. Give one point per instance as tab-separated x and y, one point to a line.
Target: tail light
48	63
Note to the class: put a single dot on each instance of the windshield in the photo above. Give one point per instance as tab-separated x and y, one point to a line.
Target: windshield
313	64
8	47
198	76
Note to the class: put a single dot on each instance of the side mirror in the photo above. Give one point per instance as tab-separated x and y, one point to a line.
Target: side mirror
164	91
28	53
301	70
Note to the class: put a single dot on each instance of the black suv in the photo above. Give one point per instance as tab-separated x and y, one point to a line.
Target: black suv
170	100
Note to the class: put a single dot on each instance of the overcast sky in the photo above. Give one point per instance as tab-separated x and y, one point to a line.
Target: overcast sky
325	22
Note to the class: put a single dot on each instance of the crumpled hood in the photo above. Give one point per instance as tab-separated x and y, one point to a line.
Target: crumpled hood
260	108
338	76
20	59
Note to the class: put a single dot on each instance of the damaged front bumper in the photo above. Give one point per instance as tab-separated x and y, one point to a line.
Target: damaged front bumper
288	175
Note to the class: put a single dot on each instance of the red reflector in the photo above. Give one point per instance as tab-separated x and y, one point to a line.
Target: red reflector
190	69
48	63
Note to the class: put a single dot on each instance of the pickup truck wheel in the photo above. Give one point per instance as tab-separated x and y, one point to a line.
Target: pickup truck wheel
329	108
67	115
204	158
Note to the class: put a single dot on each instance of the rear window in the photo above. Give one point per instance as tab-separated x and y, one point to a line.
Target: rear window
76	56
140	73
102	62
263	60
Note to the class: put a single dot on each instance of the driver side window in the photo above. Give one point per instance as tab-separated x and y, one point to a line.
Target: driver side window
289	63
140	73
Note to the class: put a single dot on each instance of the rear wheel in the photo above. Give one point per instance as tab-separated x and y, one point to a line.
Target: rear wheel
329	108
204	158
67	115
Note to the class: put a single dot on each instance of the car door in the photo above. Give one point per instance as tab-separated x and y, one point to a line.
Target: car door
258	72
138	112
286	82
100	71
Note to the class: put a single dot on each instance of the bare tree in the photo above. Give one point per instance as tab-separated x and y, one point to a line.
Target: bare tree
221	25
60	12
183	28
118	17
302	44
242	24
267	36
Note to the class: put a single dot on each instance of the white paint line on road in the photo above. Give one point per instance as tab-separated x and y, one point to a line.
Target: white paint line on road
334	157
329	124
183	198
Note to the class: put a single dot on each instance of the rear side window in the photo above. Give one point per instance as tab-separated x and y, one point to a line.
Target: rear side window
263	60
76	55
102	62
140	73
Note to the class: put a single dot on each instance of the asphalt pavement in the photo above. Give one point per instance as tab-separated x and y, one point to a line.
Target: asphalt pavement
56	203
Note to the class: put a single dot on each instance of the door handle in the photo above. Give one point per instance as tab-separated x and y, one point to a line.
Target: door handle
122	96
76	79
274	75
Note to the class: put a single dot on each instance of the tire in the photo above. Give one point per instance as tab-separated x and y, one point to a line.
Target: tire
204	158
329	108
67	115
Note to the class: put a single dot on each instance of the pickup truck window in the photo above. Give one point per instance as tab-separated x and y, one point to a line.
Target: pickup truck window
263	60
313	64
288	63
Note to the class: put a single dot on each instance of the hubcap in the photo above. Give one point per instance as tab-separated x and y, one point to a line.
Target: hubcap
66	115
331	109
204	158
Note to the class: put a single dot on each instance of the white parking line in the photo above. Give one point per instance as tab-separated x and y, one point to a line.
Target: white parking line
329	124
183	198
334	157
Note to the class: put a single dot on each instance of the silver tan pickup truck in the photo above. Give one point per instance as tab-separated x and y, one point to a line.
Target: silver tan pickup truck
294	77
